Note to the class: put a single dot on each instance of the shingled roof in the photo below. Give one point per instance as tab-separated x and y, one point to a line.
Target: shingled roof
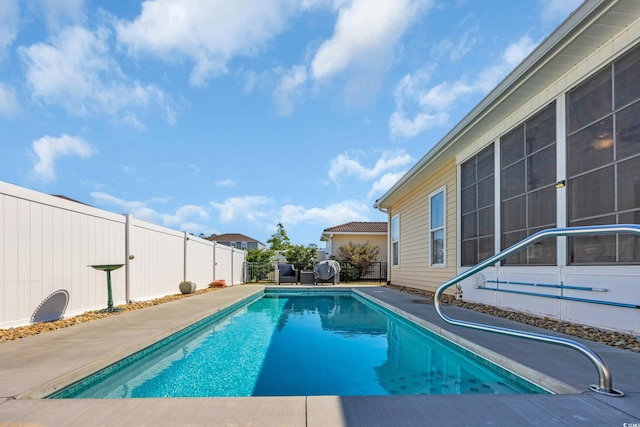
231	237
358	227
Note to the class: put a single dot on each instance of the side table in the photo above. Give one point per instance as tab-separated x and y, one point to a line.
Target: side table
307	277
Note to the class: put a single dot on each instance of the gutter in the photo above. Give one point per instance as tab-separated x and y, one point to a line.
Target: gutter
388	212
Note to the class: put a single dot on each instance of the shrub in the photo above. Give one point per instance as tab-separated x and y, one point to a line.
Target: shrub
359	255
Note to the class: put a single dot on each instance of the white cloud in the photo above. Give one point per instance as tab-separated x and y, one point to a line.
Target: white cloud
49	148
385	182
62	12
226	183
9	24
208	32
132	120
8	101
336	213
184	212
401	125
127	206
555	10
365	34
420	107
77	72
456	48
248	208
346	166
181	219
288	90
516	52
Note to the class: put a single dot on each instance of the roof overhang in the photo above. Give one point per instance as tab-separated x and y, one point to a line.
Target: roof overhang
327	236
590	26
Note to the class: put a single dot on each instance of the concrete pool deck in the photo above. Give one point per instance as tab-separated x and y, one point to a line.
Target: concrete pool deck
38	365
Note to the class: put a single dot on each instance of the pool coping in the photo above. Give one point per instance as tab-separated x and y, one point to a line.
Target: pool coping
35	364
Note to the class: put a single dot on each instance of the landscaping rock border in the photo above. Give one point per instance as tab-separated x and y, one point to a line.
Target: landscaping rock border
37	328
601	336
615	339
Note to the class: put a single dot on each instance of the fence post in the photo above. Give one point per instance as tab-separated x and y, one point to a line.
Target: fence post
127	257
184	264
232	256
214	260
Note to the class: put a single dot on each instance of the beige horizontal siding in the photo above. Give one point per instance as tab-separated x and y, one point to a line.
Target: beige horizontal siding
414	270
378	240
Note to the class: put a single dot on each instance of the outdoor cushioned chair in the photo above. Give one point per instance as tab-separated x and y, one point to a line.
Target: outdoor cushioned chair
327	271
286	273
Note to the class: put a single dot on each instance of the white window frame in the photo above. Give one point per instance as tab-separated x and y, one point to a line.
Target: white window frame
443	191
393	229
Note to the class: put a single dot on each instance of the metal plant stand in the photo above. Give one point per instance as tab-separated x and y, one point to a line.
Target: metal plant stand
108	268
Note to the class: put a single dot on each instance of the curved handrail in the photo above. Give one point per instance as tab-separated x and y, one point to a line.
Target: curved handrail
604	374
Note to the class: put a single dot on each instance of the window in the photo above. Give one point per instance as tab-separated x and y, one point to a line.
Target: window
477	207
437	228
395	241
603	159
527	187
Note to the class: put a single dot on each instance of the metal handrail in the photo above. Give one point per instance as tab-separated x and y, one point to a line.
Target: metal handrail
604	374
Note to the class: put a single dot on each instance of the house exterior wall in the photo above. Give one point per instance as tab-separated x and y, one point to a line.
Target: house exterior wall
242	245
617	281
613	283
379	240
414	269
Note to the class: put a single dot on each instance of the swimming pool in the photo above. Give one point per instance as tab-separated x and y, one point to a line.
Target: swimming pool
289	343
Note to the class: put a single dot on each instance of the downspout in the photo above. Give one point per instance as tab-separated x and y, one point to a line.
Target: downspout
388	212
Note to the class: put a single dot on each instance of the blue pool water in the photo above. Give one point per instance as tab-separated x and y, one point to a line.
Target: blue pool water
294	344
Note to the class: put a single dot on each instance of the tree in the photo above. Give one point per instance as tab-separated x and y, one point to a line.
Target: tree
304	257
279	241
261	264
359	255
260	255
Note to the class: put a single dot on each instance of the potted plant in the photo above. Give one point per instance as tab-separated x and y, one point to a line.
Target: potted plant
187	287
220	283
458	292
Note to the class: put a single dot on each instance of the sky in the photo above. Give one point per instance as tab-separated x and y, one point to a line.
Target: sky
217	116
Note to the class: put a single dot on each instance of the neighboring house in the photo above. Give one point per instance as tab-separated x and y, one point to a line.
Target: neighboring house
555	144
236	240
356	232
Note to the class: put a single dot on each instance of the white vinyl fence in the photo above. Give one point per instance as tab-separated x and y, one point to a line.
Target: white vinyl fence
47	244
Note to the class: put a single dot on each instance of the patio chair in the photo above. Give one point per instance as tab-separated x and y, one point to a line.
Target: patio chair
52	308
327	271
286	273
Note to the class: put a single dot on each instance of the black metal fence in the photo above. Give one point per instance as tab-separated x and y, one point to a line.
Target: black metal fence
264	272
259	272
